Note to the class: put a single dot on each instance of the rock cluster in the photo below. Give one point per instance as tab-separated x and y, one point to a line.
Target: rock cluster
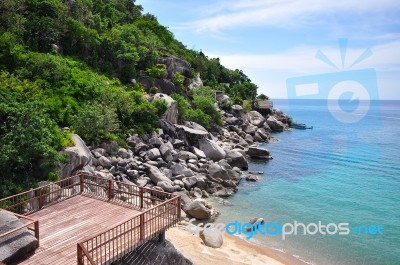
188	159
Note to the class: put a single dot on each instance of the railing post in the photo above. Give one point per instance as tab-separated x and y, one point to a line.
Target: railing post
142	226
141	197
37	233
179	207
40	199
109	189
80	256
81	182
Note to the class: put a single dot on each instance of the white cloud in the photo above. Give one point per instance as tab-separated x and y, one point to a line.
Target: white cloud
270	71
227	14
302	60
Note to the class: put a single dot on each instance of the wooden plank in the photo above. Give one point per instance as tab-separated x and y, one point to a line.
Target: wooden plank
64	224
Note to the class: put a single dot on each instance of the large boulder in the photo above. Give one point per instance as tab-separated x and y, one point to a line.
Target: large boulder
171	114
166	186
274	124
212	237
168	128
155	174
153	154
78	157
178	169
190	136
217	171
200	154
166	150
211	149
17	245
198	210
255	118
257	152
174	65
236	159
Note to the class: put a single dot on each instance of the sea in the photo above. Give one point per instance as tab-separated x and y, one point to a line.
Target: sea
344	170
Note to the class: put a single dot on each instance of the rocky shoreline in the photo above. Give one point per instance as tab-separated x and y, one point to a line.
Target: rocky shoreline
185	159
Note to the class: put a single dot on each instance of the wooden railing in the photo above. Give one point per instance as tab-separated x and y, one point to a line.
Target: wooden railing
161	210
112	244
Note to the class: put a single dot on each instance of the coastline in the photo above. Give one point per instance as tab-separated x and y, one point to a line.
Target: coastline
234	251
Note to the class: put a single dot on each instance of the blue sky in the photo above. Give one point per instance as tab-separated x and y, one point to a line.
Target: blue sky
273	40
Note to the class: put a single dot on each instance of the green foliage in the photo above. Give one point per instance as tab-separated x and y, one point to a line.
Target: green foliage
70	64
29	141
202	110
246	90
178	80
262	97
157	71
237	100
161	106
247	105
96	123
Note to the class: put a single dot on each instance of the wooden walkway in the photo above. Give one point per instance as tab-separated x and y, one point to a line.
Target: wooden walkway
64	224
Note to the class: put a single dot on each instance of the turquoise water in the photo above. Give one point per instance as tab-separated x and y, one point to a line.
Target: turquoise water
335	173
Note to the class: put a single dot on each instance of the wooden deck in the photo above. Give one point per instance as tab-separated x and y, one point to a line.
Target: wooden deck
64	224
91	220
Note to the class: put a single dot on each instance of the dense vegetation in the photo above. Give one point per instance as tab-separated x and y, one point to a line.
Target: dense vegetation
70	64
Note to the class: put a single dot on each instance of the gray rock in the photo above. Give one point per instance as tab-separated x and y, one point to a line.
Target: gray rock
166	150
224	192
211	149
185	155
257	152
155	174
140	147
153	154
236	159
237	108
78	157
249	138
122	152
212	237
251	129
111	148
15	246
255	118
263	134
217	171
166	186
251	177
198	210
232	120
196	193
274	124
190	182
168	128
171	114
258	138
178	169
155	141
190	136
104	162
200	154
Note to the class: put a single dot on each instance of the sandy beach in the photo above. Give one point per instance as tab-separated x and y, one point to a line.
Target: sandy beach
234	251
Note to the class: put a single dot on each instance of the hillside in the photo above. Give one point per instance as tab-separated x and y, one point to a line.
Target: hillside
88	67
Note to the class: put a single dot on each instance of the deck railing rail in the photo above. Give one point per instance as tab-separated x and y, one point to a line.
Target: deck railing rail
161	210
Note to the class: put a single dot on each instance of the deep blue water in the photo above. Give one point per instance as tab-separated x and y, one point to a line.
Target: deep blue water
336	173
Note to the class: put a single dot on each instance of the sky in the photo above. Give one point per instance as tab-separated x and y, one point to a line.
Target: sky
274	41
